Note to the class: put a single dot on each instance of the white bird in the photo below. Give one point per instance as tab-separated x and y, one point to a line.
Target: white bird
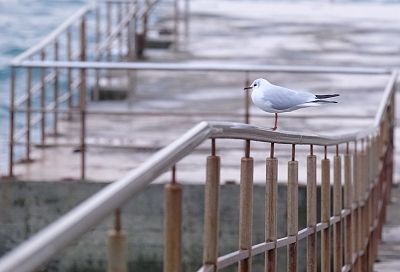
275	99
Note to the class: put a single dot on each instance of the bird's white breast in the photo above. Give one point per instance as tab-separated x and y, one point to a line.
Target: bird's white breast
258	98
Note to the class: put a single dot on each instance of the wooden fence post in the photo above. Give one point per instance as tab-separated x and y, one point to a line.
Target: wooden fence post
292	211
312	210
246	208
173	226
211	210
325	212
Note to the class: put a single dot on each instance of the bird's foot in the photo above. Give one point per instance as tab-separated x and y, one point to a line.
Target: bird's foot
274	128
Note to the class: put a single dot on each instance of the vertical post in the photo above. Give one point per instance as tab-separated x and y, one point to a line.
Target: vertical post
370	202
247	100
12	113
364	207
109	22
312	210
117	247
337	210
43	101
120	32
97	26
271	202
176	24
292	212
131	33
356	195
69	74
98	54
246	207
82	97
55	91
172	226
325	212
211	209
28	114
348	236
187	21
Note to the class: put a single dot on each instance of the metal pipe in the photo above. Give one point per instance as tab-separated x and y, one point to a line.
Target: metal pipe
108	28
82	99
52	36
55	91
207	67
28	114
69	74
176	24
43	100
12	116
187	21
247	100
120	33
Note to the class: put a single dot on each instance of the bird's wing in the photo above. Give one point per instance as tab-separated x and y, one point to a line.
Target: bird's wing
282	98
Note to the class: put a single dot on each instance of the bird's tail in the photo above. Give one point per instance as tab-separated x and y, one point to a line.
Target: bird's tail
325	96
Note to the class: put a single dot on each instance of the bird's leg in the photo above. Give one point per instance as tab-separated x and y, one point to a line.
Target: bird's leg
276	122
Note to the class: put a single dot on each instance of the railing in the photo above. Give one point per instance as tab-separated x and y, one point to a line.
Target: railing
364	159
79	90
51	91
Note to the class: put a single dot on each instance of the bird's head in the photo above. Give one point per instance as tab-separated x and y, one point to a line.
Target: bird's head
257	84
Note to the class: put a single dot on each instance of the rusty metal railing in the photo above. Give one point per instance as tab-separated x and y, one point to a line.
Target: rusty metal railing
83	37
78	87
364	159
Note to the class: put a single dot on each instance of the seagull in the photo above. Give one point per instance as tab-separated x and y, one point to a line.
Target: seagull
276	99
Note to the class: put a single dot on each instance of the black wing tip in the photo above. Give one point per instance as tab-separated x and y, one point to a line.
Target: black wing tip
324	96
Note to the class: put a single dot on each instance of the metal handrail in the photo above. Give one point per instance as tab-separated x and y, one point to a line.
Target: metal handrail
41	247
198	66
53	35
134	11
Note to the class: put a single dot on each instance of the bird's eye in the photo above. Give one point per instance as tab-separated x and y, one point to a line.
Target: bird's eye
255	84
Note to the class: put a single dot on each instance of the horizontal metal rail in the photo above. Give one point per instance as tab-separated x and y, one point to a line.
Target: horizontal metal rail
59	234
198	67
196	114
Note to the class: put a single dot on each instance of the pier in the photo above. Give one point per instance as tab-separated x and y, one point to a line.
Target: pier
128	101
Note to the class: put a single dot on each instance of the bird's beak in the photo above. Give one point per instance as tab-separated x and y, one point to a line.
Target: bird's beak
247	88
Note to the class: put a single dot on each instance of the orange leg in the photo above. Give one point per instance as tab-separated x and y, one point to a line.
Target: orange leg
276	122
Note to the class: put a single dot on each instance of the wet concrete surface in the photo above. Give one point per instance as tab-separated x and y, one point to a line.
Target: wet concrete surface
306	33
